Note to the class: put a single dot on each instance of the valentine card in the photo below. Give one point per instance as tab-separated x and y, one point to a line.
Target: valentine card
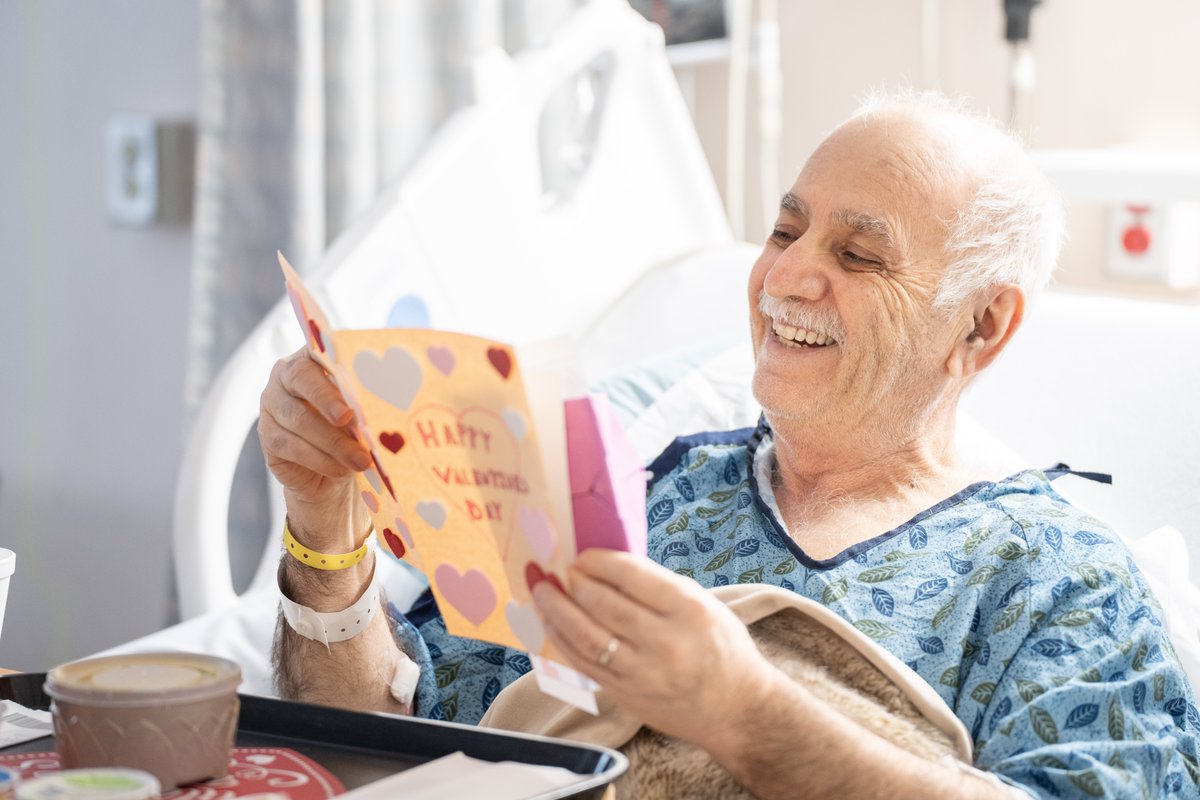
458	487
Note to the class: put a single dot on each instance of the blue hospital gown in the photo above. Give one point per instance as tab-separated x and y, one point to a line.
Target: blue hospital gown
1028	617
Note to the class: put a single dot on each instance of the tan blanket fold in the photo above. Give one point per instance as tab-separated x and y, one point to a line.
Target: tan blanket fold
808	642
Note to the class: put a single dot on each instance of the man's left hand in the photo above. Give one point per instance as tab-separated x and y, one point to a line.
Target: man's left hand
665	649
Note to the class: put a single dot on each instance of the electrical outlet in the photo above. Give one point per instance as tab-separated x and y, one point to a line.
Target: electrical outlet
132	174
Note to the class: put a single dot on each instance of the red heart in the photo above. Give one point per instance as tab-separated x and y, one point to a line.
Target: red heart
392	441
393	542
534	575
316	335
501	360
383	475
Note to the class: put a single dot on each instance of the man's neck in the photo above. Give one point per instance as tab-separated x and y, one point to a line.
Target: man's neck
833	494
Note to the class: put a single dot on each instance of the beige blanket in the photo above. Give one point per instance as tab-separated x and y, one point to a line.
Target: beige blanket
812	645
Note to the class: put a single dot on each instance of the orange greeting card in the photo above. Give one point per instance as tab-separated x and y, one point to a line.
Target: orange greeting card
458	488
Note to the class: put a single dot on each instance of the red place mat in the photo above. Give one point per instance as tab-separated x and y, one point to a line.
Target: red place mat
252	770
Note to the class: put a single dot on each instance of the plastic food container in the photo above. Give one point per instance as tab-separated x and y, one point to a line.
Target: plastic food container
91	784
173	715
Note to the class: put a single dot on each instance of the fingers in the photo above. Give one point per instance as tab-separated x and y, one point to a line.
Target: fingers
612	609
651	585
285	447
577	635
303	421
303	378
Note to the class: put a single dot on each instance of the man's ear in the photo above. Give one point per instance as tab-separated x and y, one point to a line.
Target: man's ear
995	317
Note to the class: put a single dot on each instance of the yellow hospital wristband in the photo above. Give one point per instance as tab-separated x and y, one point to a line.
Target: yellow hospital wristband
317	560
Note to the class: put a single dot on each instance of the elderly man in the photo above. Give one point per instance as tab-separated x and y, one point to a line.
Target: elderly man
897	270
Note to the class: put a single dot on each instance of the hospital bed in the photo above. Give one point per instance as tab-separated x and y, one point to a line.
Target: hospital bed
573	201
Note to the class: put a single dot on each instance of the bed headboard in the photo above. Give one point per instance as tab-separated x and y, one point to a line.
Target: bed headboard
529	216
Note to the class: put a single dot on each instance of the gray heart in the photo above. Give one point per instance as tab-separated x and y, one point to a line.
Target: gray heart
395	377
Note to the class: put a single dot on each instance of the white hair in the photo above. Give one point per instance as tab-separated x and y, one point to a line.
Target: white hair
1013	227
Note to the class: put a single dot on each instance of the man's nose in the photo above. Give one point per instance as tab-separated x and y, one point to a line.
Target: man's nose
798	271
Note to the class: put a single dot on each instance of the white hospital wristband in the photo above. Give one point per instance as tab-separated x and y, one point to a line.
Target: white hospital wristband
334	626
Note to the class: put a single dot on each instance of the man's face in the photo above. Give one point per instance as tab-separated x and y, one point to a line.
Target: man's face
855	259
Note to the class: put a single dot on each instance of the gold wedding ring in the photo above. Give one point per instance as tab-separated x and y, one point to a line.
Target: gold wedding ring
610	650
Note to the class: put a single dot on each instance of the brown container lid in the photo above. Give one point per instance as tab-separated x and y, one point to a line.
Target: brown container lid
143	679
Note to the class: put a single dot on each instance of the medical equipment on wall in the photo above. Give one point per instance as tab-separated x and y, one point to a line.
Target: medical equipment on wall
1022	72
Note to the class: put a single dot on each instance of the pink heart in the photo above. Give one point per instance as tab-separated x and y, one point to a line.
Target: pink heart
525	624
539	532
442	358
402	529
471	594
371	501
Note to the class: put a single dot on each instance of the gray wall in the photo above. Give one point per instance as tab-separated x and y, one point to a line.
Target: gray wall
92	327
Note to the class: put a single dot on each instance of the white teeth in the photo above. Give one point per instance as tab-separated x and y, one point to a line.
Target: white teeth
800	335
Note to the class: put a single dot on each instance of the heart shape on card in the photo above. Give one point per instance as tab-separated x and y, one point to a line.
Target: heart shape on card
383	476
515	421
433	512
442	358
535	575
392	441
402	529
471	593
372	502
539	532
526	625
500	360
393	543
395	376
318	340
261	759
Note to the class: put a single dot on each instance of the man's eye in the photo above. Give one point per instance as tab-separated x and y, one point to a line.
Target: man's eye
860	261
781	236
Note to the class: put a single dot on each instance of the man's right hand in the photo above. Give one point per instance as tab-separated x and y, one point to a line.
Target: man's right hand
308	438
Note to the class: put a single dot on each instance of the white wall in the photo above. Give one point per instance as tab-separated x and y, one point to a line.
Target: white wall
1109	72
92	327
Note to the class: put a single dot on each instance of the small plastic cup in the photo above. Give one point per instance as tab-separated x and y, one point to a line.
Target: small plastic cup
91	784
173	715
8	563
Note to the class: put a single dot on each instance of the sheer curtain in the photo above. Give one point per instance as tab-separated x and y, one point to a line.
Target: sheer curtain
307	109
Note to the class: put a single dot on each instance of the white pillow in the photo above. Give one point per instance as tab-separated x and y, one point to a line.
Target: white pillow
690	392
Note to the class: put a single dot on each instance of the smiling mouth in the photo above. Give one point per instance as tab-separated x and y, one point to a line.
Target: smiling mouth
799	337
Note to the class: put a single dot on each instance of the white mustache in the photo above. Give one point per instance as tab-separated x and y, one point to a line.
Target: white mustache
798	315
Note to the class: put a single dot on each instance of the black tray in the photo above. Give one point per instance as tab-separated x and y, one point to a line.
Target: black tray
359	748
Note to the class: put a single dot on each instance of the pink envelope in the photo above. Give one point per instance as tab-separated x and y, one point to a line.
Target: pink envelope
608	479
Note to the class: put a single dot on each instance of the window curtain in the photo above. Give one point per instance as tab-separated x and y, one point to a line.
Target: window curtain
308	109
